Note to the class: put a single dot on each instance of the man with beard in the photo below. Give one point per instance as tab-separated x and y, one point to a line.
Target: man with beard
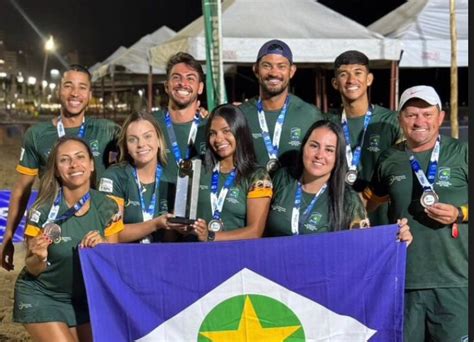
181	122
74	93
278	119
368	129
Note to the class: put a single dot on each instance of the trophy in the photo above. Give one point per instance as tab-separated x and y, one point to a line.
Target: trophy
187	192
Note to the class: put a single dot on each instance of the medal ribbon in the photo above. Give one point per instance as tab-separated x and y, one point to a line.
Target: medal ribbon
53	212
272	147
62	131
296	220
173	140
148	213
218	202
353	160
426	182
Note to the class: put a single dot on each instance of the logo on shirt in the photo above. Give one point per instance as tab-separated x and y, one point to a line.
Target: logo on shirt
163	206
203	187
394	179
256	135
278	208
233	195
35	216
295	136
132	203
313	221
106	185
94	144
444	177
374	141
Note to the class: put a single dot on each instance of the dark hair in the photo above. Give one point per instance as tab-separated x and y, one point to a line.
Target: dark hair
122	140
338	218
79	68
245	159
351	57
186	58
50	183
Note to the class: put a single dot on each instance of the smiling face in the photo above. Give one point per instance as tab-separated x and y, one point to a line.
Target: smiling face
319	154
420	123
274	73
74	93
183	85
142	143
352	81
74	165
222	140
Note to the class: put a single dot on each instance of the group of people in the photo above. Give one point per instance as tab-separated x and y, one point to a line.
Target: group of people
272	166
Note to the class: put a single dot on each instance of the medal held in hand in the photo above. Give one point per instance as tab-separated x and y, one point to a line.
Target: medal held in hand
215	225
429	198
52	231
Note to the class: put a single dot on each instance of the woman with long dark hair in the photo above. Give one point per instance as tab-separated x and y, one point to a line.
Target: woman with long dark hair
50	298
235	193
313	197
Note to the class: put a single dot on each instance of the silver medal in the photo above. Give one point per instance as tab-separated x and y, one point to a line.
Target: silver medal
351	177
429	198
52	231
215	225
272	165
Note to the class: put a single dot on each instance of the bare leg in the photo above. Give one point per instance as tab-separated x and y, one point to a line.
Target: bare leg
50	331
84	332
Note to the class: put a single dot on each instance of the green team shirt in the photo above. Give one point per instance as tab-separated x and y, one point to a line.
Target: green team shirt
435	259
279	217
234	211
119	182
299	117
100	134
170	171
63	278
382	132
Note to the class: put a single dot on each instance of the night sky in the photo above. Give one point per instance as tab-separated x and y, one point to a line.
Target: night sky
96	28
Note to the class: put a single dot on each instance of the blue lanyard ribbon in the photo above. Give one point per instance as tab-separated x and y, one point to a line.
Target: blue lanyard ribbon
52	216
173	140
148	213
296	219
272	146
62	131
353	159
427	181
217	203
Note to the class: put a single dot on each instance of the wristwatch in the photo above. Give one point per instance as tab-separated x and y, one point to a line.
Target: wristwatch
460	218
211	236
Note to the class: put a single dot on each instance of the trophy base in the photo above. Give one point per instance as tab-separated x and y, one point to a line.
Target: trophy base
181	220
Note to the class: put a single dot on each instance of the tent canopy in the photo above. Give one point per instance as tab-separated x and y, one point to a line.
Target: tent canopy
315	33
423	26
134	59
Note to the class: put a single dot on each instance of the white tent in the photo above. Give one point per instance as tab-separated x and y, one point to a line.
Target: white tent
134	59
423	27
315	33
93	69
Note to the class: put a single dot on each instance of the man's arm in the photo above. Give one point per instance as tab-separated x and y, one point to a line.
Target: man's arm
18	201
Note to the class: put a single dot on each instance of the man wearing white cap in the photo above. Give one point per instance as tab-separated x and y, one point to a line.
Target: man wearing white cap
278	120
426	180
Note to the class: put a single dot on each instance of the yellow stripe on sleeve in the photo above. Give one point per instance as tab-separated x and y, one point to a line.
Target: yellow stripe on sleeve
26	171
465	213
32	231
114	228
120	201
260	193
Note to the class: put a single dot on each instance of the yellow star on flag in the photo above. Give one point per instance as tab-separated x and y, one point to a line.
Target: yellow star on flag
250	329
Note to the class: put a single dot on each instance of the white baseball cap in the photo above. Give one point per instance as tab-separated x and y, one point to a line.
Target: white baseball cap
425	93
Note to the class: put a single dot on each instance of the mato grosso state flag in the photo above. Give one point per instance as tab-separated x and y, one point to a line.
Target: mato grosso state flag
344	286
